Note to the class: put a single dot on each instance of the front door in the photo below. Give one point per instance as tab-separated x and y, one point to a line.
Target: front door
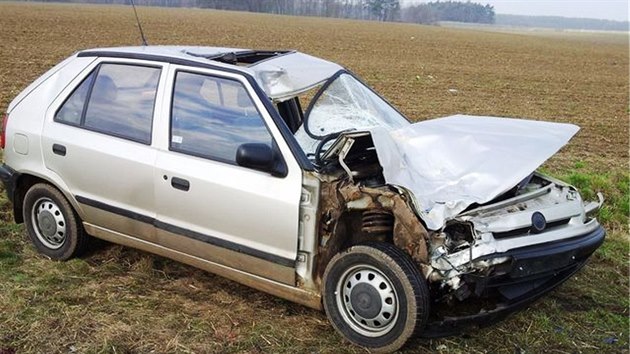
209	206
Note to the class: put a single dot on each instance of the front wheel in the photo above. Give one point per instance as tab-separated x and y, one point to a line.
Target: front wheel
375	296
52	224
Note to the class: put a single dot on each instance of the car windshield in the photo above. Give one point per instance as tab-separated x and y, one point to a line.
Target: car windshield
345	104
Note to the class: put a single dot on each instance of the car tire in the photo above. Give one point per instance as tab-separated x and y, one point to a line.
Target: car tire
51	223
375	296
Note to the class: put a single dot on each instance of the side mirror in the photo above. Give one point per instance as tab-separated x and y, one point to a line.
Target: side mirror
261	157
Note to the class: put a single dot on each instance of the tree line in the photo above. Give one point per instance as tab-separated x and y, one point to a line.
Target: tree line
455	11
377	10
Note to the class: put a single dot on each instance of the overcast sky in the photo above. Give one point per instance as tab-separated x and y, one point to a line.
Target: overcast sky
604	9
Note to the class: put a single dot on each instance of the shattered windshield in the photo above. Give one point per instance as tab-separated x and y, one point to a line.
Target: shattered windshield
345	104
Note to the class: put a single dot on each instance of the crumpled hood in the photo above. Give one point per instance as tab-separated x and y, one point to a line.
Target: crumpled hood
450	163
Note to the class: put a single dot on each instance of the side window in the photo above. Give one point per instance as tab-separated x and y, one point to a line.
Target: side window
211	117
72	109
116	99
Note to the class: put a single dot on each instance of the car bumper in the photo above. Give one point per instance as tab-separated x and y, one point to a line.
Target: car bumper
9	178
532	272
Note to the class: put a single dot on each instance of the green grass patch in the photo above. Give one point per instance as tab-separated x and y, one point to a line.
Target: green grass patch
9	255
20	278
614	185
615	251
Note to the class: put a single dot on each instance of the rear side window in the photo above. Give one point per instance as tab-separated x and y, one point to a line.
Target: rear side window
211	117
115	99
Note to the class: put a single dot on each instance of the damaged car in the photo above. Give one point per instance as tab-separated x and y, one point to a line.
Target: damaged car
285	172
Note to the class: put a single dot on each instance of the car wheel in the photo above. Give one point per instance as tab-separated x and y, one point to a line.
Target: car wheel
375	296
51	223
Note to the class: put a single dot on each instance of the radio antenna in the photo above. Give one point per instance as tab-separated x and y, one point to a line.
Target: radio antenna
144	40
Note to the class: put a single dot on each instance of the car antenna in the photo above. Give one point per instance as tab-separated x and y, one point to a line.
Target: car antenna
144	40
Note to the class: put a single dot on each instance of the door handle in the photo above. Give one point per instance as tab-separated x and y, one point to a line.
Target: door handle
180	183
59	149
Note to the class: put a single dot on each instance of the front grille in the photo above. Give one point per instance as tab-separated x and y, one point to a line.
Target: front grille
524	231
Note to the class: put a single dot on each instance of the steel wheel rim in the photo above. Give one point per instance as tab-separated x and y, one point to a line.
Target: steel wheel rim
48	223
367	300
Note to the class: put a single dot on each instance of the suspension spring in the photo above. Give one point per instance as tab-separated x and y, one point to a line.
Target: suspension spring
377	221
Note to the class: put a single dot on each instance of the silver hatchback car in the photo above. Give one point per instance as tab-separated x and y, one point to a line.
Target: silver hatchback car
285	172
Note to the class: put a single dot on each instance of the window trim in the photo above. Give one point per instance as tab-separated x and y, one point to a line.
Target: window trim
202	156
74	90
296	151
88	96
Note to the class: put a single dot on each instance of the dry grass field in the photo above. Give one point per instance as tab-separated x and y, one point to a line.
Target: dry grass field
118	300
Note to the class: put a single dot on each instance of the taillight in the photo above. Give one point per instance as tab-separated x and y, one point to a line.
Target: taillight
3	137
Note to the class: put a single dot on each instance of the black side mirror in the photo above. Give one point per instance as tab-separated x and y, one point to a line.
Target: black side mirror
261	157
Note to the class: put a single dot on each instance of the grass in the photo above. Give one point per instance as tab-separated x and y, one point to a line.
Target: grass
614	185
118	300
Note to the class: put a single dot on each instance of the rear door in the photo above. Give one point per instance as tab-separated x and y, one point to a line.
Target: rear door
206	204
98	139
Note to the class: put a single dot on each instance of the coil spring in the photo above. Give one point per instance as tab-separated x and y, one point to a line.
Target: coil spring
377	221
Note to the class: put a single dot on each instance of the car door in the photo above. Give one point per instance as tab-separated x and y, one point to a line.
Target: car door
98	139
209	206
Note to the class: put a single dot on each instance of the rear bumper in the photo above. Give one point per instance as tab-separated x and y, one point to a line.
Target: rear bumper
9	178
532	272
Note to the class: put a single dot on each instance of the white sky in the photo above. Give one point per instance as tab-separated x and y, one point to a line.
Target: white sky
602	9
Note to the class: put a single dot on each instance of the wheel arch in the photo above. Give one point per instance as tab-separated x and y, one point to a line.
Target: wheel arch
24	182
406	233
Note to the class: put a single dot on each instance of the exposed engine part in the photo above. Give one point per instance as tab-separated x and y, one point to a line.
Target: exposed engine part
342	155
374	182
458	236
356	158
459	231
377	221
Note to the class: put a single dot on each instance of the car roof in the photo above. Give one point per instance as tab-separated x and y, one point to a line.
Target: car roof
282	74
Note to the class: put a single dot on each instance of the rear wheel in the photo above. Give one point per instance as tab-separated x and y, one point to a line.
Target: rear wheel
375	296
52	224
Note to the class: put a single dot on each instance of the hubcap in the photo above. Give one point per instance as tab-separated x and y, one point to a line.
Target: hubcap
49	223
367	300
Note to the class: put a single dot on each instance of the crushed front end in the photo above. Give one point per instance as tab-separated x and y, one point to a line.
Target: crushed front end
455	193
497	258
485	263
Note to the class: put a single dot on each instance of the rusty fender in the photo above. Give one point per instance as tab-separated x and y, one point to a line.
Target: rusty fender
341	197
409	234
